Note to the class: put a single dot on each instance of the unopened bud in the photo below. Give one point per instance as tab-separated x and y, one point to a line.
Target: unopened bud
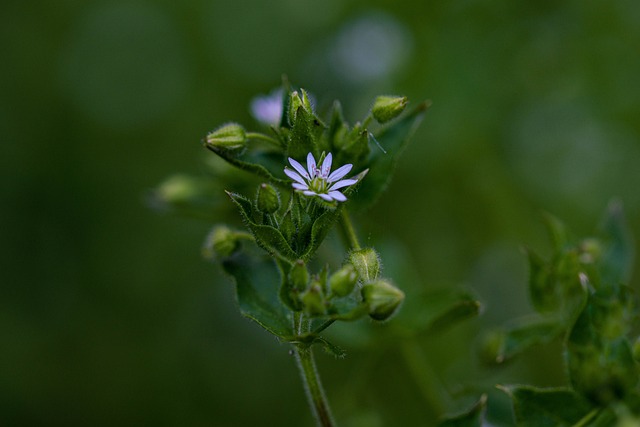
382	298
299	275
229	136
387	108
313	300
343	281
268	199
221	242
366	263
296	102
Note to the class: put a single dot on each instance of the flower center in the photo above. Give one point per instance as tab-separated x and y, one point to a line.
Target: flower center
318	185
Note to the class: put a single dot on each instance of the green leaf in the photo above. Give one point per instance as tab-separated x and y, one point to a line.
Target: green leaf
267	237
542	285
264	164
503	345
535	407
435	311
599	357
257	284
557	231
473	417
392	139
617	259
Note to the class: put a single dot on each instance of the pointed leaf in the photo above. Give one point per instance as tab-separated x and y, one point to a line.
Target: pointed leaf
392	139
557	231
534	407
267	237
503	345
473	417
435	311
265	164
542	285
257	284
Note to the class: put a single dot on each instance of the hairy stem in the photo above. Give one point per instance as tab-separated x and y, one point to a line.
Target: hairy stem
313	386
348	232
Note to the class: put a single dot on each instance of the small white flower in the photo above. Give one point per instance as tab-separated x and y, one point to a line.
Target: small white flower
318	181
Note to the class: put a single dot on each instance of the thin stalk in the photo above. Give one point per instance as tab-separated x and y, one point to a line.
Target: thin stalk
313	386
262	137
348	232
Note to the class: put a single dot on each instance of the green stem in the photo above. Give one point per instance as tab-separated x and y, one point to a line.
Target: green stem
348	232
313	386
262	137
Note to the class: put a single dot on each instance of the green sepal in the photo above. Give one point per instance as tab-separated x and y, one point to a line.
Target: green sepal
256	281
392	139
267	237
472	417
502	345
534	407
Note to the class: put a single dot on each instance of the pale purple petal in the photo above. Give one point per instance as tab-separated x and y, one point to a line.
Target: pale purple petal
326	166
300	186
311	165
343	183
297	166
339	173
337	196
294	176
327	197
309	193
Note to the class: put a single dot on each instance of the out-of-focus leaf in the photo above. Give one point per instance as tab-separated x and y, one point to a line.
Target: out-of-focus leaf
392	139
257	285
535	407
557	231
503	345
617	259
599	357
267	237
435	311
542	286
473	417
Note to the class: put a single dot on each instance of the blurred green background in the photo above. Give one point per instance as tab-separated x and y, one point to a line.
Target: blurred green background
108	314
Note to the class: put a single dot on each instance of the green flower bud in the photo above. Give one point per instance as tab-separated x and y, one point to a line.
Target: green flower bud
221	242
295	102
382	298
268	199
366	263
229	136
343	281
313	300
178	189
299	275
387	108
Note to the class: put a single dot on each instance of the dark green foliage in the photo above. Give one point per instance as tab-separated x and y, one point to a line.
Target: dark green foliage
581	295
